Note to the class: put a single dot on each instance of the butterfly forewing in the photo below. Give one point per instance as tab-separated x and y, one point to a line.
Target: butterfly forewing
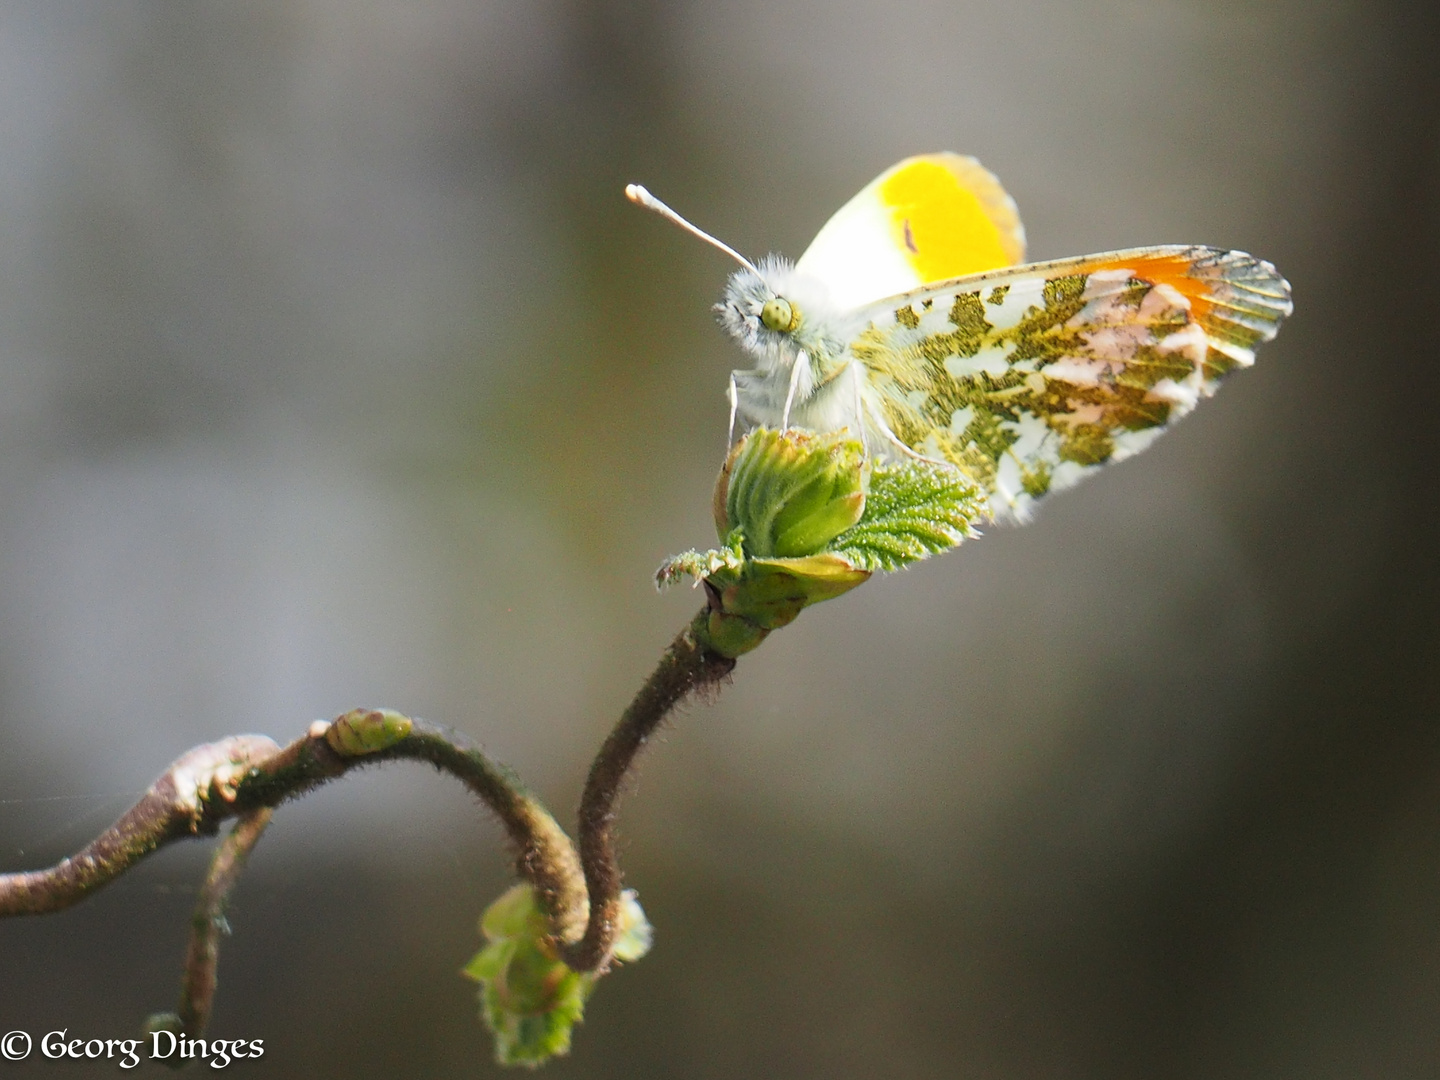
1030	378
925	219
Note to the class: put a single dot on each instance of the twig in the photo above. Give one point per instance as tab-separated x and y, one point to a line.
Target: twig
248	773
178	805
207	926
686	667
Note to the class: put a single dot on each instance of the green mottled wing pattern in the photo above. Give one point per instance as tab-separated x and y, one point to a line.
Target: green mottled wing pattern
1028	379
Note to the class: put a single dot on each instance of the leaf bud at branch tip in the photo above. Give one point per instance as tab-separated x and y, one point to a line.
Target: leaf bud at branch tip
530	999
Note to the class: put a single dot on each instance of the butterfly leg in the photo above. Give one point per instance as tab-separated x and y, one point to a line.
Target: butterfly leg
856	377
801	363
894	440
732	393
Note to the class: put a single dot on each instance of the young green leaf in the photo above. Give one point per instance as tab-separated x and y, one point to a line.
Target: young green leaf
915	509
530	999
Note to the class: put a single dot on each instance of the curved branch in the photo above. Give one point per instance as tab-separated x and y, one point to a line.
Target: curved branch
247	773
545	857
178	805
686	667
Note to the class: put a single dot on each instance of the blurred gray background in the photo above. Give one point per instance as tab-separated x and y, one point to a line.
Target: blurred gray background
335	370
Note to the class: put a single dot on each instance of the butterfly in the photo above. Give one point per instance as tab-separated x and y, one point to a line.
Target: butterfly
913	322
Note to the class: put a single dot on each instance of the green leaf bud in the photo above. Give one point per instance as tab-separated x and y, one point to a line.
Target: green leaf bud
806	517
367	731
790	493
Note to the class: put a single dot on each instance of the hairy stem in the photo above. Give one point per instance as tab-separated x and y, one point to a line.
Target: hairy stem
686	667
208	925
545	857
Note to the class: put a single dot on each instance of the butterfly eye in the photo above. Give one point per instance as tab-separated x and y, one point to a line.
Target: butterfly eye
780	315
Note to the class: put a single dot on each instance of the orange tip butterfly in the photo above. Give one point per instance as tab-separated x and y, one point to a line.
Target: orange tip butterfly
913	321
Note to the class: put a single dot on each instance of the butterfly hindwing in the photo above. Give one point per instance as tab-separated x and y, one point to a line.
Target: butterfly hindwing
1028	379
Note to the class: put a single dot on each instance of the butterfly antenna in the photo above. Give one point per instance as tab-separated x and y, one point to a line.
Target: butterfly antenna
640	197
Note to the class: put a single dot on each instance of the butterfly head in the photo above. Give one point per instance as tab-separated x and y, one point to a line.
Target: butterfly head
774	312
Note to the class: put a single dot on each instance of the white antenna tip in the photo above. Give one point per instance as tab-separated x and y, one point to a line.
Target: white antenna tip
637	194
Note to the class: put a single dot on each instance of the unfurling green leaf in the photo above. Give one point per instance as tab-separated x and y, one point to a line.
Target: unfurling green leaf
530	999
915	509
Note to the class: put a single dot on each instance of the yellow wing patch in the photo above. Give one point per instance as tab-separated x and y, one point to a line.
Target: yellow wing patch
1031	378
950	217
929	218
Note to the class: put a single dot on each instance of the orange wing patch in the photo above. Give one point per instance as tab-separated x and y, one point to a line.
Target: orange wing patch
1237	300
